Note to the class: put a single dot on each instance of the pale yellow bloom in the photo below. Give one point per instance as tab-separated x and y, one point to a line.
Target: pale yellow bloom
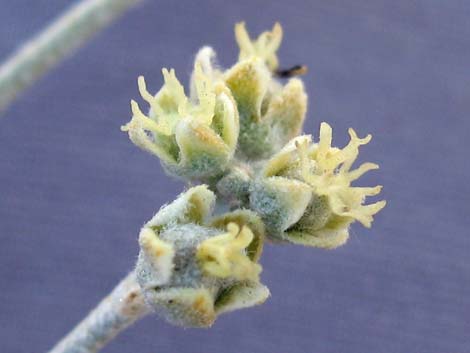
194	138
328	171
264	47
225	255
171	104
305	194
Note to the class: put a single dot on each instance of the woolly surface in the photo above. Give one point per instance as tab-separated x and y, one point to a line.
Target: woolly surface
74	191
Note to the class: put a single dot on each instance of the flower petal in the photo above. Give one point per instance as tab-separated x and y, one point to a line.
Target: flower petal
287	110
252	220
186	307
326	238
192	206
241	295
248	82
280	202
202	151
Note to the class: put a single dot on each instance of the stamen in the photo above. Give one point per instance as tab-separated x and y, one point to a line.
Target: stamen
264	47
147	96
345	200
175	88
225	255
364	168
145	122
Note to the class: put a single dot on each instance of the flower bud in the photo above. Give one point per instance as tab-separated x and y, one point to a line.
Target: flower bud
270	114
305	195
194	139
235	185
192	268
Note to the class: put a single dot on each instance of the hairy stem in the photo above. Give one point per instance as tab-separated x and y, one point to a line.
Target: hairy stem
46	49
121	308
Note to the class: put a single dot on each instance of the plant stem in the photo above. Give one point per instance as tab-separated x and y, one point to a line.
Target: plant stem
121	308
56	41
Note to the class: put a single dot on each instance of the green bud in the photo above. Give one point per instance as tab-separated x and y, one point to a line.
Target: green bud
270	114
192	268
235	185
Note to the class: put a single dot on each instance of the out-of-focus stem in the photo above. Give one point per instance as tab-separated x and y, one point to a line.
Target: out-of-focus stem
45	50
120	309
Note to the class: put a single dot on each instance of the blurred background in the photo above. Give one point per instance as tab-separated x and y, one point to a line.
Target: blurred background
74	191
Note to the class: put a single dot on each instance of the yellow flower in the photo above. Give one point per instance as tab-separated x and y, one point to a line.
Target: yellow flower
305	195
225	255
194	139
264	47
327	170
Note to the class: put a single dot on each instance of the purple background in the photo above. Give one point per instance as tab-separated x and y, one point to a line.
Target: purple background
74	191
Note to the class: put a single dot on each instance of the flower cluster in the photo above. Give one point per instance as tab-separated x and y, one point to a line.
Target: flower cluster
237	132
